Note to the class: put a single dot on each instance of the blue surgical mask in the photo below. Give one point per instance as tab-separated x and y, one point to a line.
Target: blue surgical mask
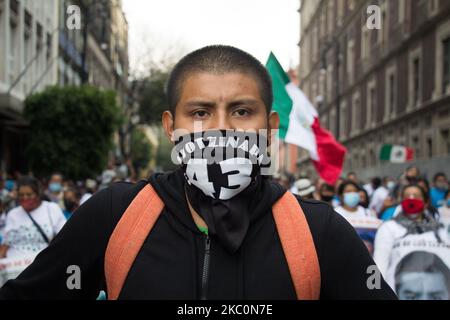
391	185
351	199
55	187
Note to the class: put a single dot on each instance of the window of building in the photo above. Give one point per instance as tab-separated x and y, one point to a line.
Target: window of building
391	94
330	82
38	37
429	147
415	78
415	144
343	125
48	47
363	161
433	6
340	12
416	81
401	10
372	158
446	52
351	5
356	114
27	35
333	122
445	142
350	61
371	104
365	42
331	15
442	58
13	41
324	121
384	32
323	23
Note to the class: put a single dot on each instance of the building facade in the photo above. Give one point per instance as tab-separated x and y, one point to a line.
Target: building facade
28	63
375	86
37	49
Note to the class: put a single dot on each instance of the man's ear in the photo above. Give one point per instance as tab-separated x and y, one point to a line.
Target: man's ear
167	123
274	124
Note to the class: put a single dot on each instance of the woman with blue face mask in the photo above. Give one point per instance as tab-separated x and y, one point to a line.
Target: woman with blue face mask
363	220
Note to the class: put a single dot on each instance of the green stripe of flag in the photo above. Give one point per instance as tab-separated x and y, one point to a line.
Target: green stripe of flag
282	103
385	153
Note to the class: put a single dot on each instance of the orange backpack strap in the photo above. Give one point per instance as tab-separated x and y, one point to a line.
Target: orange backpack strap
298	247
128	237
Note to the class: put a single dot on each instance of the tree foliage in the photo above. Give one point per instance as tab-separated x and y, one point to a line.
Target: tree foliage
152	97
141	150
71	130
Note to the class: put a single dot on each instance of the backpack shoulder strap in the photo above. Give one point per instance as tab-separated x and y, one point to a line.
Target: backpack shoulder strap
128	237
298	247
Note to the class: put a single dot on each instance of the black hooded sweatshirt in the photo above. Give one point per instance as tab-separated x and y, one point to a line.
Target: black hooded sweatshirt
170	264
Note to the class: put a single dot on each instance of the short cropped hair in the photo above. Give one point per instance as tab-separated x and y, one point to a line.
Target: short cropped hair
218	60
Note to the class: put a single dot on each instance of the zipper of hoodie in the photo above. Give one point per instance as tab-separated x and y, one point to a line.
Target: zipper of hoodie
205	273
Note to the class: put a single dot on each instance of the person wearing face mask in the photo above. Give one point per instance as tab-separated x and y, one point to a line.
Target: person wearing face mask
414	229
31	226
437	192
326	193
55	189
363	220
71	201
214	228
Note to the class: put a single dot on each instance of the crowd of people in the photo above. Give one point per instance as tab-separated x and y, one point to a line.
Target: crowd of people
404	222
32	211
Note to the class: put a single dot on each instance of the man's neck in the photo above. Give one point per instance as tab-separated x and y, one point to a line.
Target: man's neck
197	219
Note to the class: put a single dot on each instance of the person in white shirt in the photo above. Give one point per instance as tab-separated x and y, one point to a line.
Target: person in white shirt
414	229
33	224
349	195
380	194
363	220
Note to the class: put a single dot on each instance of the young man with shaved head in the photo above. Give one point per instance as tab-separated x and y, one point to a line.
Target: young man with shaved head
215	228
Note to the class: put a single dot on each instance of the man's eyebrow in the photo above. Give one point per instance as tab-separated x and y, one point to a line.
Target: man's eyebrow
245	101
200	103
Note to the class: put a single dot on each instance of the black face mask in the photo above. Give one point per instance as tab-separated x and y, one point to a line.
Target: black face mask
222	169
70	205
326	198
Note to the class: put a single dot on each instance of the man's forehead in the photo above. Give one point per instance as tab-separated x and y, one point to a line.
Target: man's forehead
226	85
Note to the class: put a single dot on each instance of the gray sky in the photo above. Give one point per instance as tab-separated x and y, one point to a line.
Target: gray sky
180	26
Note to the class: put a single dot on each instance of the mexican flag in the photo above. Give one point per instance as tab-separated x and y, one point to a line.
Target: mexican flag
396	154
299	124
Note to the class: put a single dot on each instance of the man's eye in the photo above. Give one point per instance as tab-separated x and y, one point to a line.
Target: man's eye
200	113
241	112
